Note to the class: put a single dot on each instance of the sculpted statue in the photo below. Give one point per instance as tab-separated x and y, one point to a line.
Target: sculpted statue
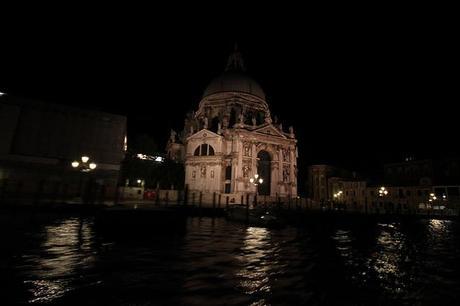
225	122
205	122
246	171
247	150
286	174
268	119
241	118
254	121
172	137
203	171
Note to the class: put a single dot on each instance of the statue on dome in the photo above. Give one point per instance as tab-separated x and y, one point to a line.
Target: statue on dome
205	122
241	118
268	119
172	136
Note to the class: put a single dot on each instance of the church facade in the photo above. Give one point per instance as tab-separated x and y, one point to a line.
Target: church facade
232	138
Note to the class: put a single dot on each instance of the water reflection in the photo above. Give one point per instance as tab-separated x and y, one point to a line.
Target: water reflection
257	257
217	262
388	258
438	228
66	247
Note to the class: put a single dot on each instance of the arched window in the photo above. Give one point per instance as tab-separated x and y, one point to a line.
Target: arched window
204	150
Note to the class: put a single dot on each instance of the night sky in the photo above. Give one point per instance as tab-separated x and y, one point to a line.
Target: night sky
359	91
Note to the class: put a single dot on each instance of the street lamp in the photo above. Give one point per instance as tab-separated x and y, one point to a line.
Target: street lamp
84	166
382	193
432	199
256	180
338	196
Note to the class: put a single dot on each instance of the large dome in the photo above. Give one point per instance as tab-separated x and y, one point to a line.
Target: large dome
233	81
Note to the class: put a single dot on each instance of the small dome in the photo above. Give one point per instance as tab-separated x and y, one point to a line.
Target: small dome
233	81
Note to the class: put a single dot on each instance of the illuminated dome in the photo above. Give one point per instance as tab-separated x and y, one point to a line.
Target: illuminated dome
234	81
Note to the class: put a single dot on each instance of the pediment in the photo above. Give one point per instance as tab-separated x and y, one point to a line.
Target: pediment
204	134
269	130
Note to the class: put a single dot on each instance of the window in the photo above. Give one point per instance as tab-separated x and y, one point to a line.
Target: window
204	150
228	173
453	191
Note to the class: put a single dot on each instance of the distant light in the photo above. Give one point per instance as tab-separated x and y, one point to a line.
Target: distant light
84	159
251	180
149	157
139	181
125	144
92	166
75	164
2	93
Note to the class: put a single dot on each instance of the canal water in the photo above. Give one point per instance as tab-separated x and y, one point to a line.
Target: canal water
205	261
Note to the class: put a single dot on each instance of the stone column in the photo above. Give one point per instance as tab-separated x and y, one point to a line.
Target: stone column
275	178
293	178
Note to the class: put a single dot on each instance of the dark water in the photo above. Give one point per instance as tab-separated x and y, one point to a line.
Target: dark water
216	262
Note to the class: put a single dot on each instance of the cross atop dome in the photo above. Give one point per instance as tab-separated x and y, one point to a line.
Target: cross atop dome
235	61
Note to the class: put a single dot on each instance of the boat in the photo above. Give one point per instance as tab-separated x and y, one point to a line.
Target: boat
254	216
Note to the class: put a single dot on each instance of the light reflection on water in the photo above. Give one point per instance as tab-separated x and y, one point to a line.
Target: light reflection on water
256	260
66	247
217	262
388	257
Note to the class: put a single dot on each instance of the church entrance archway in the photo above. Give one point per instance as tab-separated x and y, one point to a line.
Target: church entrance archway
264	171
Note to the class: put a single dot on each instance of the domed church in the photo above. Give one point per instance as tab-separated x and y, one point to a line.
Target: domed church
231	137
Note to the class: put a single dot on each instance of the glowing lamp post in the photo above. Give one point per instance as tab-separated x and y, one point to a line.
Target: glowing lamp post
432	199
338	196
383	192
84	166
256	180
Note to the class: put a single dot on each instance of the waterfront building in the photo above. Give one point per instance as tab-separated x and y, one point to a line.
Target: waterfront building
39	142
231	137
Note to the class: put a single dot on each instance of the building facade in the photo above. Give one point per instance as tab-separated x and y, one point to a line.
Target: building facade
231	137
408	187
40	140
